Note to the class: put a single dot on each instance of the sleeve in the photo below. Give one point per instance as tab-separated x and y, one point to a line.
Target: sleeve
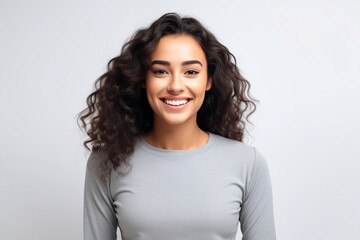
256	214
99	221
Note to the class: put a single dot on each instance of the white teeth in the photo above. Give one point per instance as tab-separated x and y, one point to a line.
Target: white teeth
176	102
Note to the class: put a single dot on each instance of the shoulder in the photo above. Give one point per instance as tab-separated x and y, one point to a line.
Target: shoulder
96	166
96	158
239	152
232	146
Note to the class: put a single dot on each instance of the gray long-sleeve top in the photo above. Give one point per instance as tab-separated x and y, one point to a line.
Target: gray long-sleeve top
198	194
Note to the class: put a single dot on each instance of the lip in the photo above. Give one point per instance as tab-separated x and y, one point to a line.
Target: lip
175	98
176	107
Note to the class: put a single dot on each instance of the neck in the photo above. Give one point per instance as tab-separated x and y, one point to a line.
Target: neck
181	137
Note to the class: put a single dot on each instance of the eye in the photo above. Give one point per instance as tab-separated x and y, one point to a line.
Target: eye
159	72
191	72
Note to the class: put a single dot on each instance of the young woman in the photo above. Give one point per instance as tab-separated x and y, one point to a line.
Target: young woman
166	124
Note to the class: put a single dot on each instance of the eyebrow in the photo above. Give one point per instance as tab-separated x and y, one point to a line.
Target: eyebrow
166	63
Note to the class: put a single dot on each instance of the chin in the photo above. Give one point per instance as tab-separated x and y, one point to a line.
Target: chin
176	120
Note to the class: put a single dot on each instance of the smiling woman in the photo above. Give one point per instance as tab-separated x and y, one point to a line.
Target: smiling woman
175	87
165	127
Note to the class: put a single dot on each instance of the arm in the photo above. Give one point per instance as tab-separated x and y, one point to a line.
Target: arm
256	214
99	215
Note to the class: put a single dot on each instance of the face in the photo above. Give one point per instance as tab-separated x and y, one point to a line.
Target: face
177	80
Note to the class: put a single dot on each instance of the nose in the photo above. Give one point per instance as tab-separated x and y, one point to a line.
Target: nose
176	85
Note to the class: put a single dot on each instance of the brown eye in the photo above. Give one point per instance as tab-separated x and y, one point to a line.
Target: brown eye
192	72
159	72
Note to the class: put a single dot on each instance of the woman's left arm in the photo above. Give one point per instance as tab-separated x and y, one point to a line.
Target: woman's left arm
256	214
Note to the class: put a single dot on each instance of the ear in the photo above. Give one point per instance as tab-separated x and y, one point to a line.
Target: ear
209	84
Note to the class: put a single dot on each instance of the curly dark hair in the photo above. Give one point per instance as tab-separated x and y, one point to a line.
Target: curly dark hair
118	111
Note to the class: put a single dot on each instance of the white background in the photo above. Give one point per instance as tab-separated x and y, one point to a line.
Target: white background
302	58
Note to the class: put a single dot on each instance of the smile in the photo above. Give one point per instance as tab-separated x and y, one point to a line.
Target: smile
179	102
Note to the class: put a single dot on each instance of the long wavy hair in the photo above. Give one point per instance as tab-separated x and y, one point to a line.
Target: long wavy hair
118	112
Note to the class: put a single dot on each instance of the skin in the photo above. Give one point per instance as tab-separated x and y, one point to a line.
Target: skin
175	86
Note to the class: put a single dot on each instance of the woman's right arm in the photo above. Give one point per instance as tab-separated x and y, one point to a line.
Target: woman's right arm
99	221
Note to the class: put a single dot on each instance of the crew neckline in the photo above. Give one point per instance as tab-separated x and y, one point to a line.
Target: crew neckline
168	153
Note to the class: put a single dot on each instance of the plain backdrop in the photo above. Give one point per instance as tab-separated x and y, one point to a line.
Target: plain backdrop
301	57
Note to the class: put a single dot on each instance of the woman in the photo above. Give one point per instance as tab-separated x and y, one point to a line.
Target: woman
165	124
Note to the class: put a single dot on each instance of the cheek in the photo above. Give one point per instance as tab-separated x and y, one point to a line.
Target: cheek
149	86
199	87
151	90
149	96
150	101
151	93
152	85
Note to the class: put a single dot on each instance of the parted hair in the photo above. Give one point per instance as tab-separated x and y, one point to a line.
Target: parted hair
118	112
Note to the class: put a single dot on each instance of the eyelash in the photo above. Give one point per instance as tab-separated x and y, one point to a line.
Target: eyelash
159	72
162	72
192	72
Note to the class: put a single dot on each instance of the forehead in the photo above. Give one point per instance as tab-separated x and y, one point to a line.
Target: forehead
178	47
